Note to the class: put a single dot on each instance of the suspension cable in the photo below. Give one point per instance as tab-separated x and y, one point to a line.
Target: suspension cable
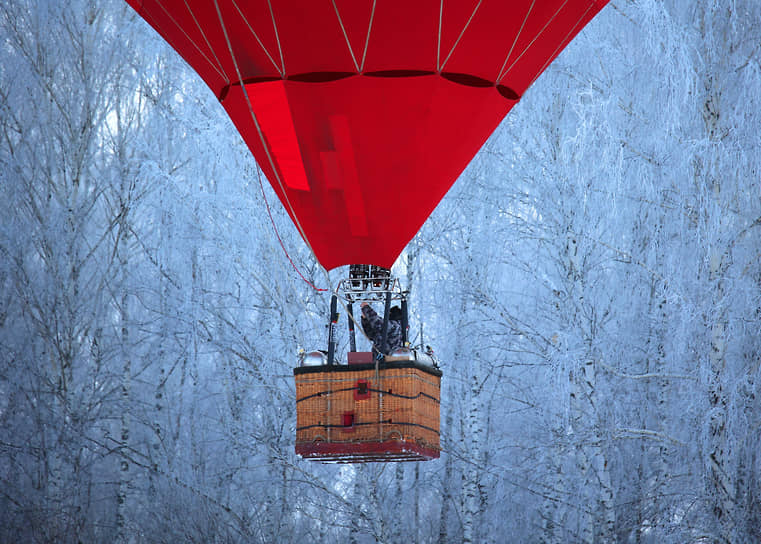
277	234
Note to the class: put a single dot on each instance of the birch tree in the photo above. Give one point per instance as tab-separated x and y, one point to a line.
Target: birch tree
61	231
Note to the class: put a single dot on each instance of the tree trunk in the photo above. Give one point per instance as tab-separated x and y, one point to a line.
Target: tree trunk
474	423
718	454
446	479
123	490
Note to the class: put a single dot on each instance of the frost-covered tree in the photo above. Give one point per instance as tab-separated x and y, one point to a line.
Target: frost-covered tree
70	198
592	286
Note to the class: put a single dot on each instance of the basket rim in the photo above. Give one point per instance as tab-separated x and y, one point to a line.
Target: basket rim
433	371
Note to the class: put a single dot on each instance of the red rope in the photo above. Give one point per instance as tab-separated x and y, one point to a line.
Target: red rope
277	234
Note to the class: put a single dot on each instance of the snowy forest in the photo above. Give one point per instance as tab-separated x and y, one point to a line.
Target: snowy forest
591	285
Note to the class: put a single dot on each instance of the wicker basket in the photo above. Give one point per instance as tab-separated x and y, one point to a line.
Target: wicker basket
364	412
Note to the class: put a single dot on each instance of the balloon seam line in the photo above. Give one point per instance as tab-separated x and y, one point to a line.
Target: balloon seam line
565	41
346	36
256	37
277	38
515	41
456	43
367	38
200	51
438	43
534	40
205	39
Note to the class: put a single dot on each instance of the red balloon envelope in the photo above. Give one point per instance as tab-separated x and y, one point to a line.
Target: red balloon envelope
362	113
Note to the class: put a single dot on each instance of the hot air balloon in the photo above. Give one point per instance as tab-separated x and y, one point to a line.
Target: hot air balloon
362	114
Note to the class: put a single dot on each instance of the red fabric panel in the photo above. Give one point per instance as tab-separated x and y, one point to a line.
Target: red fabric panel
403	36
411	138
274	116
347	178
360	161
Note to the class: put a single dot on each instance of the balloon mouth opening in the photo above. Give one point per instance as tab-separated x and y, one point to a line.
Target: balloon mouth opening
467	80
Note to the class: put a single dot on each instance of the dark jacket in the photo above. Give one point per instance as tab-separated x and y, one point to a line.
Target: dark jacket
372	323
